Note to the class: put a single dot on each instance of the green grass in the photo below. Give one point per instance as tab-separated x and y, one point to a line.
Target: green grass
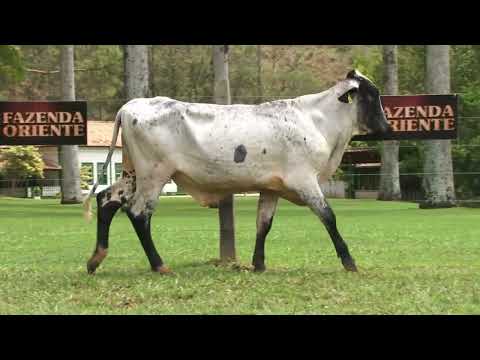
411	261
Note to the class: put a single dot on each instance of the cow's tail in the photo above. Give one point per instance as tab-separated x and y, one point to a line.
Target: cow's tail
87	204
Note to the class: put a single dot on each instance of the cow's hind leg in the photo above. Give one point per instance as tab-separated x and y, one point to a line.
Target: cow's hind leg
312	195
267	203
108	203
140	214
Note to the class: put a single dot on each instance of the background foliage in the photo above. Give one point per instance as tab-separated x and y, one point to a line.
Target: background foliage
257	74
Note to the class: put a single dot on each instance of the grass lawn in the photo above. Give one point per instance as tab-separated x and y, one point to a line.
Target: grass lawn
410	261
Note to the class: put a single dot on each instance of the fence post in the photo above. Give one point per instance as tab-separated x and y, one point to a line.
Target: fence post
227	229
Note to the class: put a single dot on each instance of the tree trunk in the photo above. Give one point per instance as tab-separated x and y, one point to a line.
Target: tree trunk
13	187
151	67
68	157
125	72
136	71
390	178
438	179
259	75
226	206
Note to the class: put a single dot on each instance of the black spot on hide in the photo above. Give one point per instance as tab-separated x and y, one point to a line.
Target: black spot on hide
240	154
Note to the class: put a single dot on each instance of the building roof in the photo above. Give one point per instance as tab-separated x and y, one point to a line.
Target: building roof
368	165
361	156
49	164
100	133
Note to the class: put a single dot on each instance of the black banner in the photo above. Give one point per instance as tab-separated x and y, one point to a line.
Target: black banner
418	117
43	123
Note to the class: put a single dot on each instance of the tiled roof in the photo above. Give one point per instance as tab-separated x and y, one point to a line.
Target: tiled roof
100	133
50	165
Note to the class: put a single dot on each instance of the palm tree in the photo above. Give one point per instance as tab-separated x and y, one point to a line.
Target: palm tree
389	179
438	179
226	208
68	157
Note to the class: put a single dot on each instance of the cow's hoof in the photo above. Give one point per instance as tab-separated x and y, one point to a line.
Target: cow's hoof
91	267
349	265
96	259
259	268
163	270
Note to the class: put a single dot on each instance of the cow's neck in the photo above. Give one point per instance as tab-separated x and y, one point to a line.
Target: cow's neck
334	122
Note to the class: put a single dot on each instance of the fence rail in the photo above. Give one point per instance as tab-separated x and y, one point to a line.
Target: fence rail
29	188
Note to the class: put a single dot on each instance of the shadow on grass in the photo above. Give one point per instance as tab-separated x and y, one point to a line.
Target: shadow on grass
206	267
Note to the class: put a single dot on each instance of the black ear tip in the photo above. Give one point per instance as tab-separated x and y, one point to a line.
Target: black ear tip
351	74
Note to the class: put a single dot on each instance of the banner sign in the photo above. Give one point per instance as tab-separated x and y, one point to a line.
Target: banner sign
418	117
43	123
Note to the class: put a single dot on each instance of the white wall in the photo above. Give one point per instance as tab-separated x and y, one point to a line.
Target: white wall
97	155
333	189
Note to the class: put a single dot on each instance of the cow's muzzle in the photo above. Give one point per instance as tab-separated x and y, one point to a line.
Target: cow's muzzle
384	126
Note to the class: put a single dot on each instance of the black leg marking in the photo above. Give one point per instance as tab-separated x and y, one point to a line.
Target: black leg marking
258	260
329	220
105	215
267	204
141	224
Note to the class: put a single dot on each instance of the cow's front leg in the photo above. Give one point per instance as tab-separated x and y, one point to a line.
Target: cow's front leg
267	203
313	197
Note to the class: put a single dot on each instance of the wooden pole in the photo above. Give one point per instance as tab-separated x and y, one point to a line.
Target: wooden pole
227	229
226	206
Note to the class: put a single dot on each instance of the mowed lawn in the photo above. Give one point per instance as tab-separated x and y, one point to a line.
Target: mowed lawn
410	261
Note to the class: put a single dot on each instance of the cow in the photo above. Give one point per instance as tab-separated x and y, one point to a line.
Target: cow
281	149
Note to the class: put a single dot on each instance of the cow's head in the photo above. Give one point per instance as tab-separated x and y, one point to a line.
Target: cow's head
361	91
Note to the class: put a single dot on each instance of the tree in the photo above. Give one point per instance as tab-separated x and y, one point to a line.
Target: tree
226	207
465	65
390	179
11	65
259	74
136	71
71	190
438	178
86	176
21	163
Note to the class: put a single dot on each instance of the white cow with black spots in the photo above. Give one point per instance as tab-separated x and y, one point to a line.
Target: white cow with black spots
282	148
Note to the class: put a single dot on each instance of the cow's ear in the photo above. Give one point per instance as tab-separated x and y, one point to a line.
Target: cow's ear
347	91
352	74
